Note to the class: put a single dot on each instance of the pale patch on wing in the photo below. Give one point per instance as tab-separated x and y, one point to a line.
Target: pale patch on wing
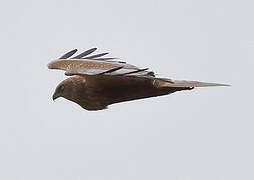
84	72
95	67
116	71
73	64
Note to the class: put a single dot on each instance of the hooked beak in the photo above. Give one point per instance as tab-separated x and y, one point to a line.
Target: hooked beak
55	96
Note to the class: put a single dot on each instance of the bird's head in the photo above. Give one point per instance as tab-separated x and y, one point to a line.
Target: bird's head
65	89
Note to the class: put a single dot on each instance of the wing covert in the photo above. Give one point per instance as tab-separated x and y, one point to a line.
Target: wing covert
83	64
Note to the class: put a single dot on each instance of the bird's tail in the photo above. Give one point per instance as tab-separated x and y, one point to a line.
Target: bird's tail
161	82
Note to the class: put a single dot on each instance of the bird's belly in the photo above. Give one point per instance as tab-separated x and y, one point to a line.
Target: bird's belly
123	93
105	91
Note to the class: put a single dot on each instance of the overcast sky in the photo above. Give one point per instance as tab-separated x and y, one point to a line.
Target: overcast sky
202	134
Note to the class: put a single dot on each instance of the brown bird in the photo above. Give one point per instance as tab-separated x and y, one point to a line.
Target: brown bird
97	82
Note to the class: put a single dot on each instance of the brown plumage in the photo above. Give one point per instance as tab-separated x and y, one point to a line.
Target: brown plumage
98	82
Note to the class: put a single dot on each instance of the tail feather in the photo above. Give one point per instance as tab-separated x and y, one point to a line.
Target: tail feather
184	83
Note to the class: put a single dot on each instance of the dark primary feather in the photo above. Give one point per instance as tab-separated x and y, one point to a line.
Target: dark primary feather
84	54
136	71
89	51
111	70
109	60
104	59
118	61
68	54
95	56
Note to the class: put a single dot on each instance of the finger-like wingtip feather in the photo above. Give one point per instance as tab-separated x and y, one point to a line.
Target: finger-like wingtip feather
136	71
68	54
95	56
105	59
111	70
89	51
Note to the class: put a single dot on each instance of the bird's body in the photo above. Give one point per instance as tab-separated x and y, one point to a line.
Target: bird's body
97	83
97	92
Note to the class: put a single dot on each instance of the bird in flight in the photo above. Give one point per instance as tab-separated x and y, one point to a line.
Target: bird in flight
96	82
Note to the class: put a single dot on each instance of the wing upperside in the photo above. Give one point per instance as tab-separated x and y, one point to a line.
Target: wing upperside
87	64
97	64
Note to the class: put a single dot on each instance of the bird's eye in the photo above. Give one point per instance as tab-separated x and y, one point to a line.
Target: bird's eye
61	88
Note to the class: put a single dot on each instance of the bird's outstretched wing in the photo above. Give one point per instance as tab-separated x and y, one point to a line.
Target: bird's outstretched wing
86	64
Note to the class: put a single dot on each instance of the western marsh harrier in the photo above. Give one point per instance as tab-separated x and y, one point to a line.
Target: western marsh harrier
97	82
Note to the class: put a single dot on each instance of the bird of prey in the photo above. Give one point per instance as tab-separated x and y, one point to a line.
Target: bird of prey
97	82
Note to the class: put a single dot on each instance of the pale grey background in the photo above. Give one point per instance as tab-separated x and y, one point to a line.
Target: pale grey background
202	134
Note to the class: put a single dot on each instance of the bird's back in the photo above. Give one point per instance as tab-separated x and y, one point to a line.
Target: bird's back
106	90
